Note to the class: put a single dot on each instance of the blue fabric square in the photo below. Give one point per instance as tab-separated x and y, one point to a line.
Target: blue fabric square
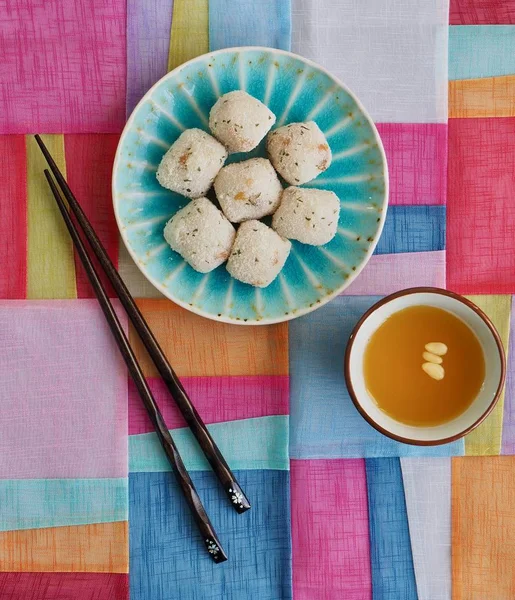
249	23
168	560
393	575
412	229
477	51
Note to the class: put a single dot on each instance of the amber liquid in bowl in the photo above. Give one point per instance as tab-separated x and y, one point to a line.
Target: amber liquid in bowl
393	366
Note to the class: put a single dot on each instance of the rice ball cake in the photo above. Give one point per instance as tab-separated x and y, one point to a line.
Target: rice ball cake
248	190
258	254
191	164
307	215
240	121
201	234
299	152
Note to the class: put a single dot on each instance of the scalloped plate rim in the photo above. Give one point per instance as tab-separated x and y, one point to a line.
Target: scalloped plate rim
300	311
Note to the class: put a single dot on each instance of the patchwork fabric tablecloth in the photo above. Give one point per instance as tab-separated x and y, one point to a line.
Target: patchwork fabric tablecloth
88	507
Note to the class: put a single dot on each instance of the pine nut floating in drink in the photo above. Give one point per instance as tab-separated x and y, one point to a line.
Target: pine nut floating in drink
433	370
432	358
438	348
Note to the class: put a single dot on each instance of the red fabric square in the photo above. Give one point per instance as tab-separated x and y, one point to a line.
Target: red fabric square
64	586
89	164
13	217
482	12
481	206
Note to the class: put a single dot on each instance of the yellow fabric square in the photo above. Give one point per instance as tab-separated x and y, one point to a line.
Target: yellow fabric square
486	439
50	259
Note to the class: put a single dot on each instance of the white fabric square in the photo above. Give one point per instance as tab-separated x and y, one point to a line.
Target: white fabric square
391	53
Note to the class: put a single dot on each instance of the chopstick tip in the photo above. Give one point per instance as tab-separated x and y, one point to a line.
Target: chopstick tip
215	550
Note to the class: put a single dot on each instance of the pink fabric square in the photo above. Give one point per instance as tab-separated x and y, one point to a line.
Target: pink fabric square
481	206
388	273
330	539
63	66
416	154
63	398
217	399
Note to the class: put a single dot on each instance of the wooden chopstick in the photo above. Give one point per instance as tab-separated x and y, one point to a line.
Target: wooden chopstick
219	465
206	529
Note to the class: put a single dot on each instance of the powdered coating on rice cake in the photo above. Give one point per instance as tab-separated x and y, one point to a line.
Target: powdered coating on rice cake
258	254
307	215
299	152
191	164
248	190
240	121
201	234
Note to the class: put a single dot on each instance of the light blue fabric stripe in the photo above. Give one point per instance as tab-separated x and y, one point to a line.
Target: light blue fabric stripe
413	229
324	421
481	51
36	503
260	443
249	23
393	575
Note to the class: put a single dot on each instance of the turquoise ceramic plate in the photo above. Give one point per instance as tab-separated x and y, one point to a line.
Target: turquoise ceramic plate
295	89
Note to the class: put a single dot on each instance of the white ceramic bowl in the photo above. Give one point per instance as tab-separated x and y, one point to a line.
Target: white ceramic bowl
482	405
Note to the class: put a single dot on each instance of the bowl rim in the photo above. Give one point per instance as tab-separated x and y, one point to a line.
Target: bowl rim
409	292
301	311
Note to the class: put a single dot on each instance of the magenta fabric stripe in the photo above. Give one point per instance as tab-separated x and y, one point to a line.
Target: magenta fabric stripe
388	273
63	66
64	586
330	539
148	39
217	399
417	161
